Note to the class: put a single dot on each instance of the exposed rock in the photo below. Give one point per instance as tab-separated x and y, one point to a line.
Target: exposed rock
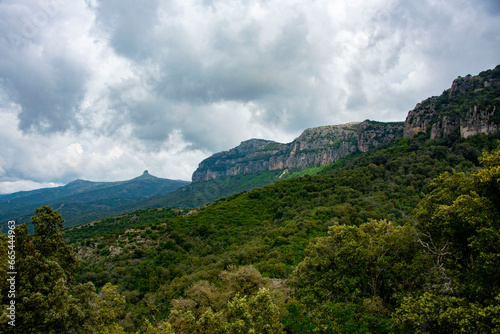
468	107
314	147
477	122
461	85
374	133
419	119
443	127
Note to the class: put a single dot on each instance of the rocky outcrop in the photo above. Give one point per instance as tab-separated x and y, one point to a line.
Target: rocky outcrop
314	147
371	134
419	119
469	107
478	121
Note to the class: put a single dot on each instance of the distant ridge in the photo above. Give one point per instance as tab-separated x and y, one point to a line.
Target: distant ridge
80	199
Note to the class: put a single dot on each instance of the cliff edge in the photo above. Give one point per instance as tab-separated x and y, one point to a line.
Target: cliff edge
314	147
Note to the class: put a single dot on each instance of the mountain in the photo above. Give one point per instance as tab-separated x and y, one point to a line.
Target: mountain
348	211
80	200
313	148
402	238
470	107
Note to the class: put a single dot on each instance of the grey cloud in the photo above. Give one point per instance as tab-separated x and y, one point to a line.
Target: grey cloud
491	6
49	93
48	86
130	24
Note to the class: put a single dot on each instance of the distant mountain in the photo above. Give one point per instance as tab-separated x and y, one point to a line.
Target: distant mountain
81	200
257	162
313	148
471	106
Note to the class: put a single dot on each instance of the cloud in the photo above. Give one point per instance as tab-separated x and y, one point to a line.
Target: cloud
105	89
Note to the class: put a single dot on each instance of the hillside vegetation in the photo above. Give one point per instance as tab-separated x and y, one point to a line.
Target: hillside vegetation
82	201
404	238
344	251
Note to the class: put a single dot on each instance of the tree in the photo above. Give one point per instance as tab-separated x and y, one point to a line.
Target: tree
46	299
349	278
354	262
459	222
459	225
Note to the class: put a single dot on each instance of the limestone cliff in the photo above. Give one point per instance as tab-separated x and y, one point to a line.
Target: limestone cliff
469	107
314	147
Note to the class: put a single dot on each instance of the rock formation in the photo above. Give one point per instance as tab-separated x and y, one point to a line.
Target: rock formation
314	147
469	107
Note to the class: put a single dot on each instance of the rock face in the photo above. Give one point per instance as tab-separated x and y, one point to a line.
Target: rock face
478	121
469	107
314	147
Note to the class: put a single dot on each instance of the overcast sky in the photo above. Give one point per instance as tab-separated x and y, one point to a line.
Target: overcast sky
102	90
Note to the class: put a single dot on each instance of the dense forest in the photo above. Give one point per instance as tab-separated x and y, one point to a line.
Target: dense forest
402	239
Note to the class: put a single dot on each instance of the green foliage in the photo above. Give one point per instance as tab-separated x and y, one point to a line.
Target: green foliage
459	221
438	313
119	224
271	227
343	243
242	314
352	275
459	224
46	300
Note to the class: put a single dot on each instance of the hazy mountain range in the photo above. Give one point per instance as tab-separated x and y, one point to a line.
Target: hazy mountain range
80	201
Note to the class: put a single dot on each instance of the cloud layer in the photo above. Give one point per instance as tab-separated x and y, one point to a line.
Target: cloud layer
104	89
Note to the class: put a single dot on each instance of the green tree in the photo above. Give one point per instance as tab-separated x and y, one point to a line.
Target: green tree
349	278
46	299
459	222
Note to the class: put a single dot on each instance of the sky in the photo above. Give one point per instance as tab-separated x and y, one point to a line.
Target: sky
103	90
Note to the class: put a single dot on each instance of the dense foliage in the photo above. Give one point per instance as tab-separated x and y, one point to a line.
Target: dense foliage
403	239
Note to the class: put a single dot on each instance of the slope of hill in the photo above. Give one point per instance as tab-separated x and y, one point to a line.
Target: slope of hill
402	238
470	107
269	227
81	201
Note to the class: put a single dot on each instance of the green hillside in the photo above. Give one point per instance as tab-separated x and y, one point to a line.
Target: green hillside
268	228
266	244
404	238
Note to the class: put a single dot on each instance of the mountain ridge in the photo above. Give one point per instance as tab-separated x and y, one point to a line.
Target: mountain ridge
469	107
313	148
81	198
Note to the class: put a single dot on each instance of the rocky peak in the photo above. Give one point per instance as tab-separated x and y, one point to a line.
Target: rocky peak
249	145
461	85
371	133
469	107
314	147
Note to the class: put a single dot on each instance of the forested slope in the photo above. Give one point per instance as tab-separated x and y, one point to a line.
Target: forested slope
404	238
267	243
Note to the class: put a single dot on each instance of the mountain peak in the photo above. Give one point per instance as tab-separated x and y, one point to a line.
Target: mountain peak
145	175
78	183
